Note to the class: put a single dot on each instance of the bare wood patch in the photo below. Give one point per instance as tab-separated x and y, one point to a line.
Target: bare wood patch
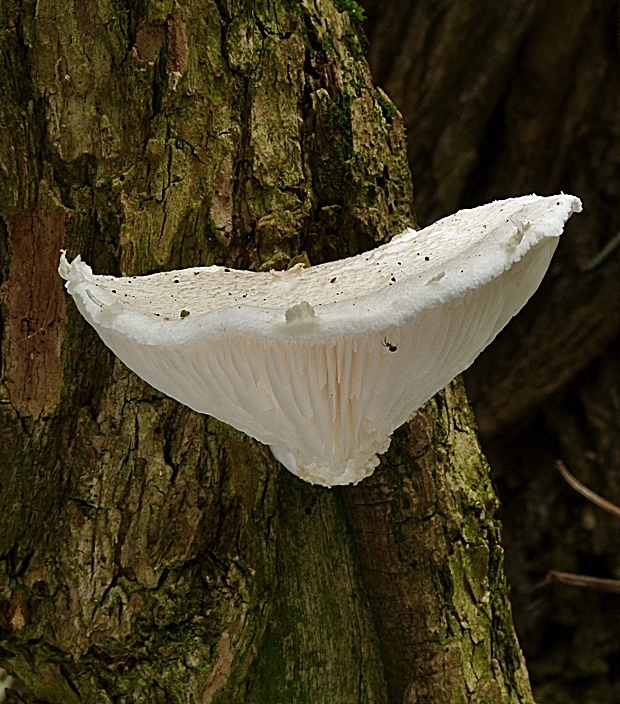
221	670
35	311
17	612
177	33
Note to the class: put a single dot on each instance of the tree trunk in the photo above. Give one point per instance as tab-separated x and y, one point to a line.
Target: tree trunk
150	554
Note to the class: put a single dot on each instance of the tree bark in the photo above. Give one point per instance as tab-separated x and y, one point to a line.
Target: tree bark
150	554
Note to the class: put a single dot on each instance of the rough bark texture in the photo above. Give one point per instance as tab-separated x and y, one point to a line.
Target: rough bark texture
149	554
501	99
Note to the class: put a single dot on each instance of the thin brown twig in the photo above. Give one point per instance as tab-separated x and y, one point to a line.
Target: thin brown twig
579	580
605	253
588	493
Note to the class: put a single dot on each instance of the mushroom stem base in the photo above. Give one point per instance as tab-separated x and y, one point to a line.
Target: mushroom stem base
356	468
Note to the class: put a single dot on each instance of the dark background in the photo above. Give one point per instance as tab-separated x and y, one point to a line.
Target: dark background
502	99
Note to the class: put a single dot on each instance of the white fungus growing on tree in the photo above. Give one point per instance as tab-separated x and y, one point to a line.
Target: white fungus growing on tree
324	363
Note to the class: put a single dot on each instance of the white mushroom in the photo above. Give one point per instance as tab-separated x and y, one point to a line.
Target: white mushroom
324	363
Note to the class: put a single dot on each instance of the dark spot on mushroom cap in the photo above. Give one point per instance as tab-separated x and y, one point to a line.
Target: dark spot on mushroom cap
334	279
176	281
184	313
426	259
226	269
113	290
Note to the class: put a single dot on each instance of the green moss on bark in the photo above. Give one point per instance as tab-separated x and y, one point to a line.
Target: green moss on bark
354	10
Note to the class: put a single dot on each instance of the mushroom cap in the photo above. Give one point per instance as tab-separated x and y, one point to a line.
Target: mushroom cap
324	363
